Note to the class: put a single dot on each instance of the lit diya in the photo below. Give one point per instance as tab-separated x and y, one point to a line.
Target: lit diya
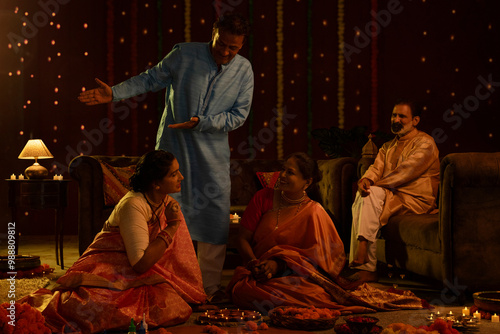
228	317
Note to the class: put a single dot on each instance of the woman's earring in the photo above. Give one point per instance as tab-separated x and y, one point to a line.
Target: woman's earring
277	183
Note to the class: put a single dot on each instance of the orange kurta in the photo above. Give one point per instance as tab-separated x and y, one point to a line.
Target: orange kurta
306	239
102	291
408	169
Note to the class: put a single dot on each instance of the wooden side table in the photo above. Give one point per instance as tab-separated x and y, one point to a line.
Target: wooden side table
41	194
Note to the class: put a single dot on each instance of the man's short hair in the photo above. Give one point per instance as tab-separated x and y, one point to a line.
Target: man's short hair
233	23
416	110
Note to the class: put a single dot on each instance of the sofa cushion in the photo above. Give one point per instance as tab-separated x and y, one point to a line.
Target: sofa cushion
115	182
268	179
420	231
244	180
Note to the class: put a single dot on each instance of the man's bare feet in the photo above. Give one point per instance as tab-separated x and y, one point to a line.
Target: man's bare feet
362	253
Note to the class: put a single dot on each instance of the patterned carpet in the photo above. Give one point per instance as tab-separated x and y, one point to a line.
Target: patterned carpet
22	287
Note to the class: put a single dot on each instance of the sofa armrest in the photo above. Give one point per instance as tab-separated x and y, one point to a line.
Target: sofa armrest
336	190
92	213
469	210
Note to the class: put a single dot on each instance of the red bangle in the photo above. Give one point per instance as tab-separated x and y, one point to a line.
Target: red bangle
166	237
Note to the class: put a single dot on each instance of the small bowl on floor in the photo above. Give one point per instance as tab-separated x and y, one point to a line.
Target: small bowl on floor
361	324
487	300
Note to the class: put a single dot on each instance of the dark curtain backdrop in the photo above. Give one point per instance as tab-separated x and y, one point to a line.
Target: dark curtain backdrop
317	64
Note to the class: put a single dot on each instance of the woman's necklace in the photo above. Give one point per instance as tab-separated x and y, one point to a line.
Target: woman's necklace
292	201
289	201
153	209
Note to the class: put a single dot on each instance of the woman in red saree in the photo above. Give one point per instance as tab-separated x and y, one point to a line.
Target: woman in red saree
294	254
142	265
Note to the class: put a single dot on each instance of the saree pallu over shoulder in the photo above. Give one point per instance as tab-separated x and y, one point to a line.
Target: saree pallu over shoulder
307	241
102	291
303	236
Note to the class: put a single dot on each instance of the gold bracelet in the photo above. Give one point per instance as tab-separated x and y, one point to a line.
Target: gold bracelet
251	263
161	236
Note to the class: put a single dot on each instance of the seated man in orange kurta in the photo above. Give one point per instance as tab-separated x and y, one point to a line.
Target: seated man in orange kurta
403	179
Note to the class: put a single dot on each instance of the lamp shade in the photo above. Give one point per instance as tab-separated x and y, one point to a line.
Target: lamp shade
35	149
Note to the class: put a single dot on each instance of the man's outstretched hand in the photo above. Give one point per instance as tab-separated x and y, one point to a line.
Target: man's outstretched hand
103	94
186	125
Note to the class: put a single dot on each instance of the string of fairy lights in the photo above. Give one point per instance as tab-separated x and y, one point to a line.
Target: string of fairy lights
337	89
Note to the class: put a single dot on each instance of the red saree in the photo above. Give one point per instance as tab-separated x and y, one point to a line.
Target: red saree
102	291
308	242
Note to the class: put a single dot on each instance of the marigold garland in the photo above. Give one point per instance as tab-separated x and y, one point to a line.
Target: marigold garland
341	61
27	320
134	70
159	29
110	34
374	74
250	57
309	77
279	77
187	20
159	32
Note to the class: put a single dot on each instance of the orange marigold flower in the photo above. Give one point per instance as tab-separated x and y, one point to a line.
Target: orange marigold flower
263	326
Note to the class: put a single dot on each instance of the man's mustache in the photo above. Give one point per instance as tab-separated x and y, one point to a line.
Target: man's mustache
396	127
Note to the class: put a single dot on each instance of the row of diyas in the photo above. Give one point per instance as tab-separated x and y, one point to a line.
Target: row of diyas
449	316
461	321
465	315
229	315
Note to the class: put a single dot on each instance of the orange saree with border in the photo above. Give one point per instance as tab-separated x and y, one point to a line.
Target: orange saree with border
102	291
306	239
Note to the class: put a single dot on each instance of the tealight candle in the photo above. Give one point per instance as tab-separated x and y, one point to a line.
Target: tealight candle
235	218
495	318
13	177
21	177
477	315
466	312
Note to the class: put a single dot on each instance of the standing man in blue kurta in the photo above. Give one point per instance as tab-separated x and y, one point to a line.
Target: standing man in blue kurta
209	89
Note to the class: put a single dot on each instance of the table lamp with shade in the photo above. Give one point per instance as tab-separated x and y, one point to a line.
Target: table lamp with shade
35	149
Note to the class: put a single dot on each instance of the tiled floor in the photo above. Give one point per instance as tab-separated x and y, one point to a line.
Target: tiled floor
44	246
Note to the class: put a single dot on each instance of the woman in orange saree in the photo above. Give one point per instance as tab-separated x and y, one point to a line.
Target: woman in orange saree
294	254
142	265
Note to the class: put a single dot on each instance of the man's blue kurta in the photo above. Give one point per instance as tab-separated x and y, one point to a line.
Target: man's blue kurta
221	99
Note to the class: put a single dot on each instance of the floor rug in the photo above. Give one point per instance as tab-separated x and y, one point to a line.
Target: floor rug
22	287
